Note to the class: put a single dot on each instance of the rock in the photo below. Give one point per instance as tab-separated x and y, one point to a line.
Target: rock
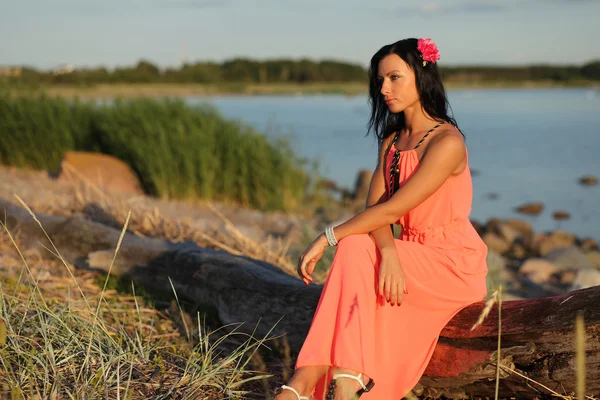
535	333
495	242
586	278
479	227
561	215
100	171
518	251
525	287
538	270
538	239
523	227
588	180
530	208
556	240
594	258
566	258
567	277
361	184
493	225
588	244
503	230
509	233
564	236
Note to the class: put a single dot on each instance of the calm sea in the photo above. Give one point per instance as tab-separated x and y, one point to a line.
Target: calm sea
524	145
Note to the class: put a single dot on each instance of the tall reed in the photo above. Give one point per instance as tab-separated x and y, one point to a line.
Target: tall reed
178	151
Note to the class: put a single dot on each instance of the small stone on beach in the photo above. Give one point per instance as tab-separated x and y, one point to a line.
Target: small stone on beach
561	215
530	208
588	180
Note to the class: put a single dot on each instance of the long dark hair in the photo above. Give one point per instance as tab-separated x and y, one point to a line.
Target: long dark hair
429	86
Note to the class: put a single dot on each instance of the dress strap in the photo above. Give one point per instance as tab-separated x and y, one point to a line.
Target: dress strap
394	169
423	138
427	134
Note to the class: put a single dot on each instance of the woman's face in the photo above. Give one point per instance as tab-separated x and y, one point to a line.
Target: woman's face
398	85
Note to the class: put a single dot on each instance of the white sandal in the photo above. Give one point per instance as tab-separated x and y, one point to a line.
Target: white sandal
332	384
284	387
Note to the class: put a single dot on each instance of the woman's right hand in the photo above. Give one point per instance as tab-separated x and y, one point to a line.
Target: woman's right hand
392	285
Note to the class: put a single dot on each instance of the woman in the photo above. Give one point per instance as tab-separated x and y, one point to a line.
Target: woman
386	300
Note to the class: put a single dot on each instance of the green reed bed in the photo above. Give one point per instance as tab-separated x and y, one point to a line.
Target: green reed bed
36	131
178	151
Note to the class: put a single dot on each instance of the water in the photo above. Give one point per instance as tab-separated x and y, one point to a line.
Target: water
524	145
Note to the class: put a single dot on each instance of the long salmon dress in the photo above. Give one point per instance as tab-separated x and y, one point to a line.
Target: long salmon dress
444	263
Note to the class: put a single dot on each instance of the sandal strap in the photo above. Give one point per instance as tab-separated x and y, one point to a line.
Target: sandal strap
356	378
295	392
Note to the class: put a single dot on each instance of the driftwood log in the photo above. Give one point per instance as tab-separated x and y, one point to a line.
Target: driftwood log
538	335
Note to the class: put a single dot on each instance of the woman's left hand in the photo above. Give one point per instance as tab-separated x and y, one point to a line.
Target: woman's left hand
310	257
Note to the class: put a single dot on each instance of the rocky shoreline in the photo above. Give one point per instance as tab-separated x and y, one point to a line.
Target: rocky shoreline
529	264
533	264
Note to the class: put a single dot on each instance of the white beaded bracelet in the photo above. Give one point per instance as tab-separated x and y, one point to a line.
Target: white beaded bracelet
330	236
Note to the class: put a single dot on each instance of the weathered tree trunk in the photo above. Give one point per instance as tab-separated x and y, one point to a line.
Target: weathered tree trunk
538	337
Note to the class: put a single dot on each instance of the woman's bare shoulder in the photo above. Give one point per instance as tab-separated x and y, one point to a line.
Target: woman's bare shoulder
448	137
448	142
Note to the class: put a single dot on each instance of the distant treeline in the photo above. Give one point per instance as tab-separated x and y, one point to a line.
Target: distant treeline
284	71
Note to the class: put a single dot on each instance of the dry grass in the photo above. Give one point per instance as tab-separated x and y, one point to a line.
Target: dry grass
167	329
132	350
579	333
147	221
64	337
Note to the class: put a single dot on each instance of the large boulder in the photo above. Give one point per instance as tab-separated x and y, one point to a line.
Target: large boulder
538	270
101	171
594	258
495	242
504	230
569	258
523	227
589	244
544	243
585	278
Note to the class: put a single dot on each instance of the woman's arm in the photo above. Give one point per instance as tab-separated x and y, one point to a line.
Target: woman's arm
377	194
443	156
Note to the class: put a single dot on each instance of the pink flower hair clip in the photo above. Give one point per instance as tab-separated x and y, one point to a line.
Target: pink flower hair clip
429	51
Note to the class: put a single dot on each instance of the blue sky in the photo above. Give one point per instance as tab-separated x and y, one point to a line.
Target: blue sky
46	33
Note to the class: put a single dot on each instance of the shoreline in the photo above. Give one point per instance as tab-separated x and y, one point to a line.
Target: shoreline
241	89
512	241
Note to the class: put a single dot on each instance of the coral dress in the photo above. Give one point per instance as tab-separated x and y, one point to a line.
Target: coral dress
444	263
